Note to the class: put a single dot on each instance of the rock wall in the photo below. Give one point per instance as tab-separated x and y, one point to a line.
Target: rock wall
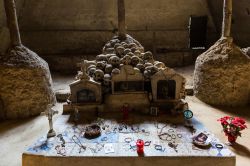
88	24
62	32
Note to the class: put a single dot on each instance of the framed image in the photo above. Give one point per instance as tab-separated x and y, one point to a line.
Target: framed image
202	139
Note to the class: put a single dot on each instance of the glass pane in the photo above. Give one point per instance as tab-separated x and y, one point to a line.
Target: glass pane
85	95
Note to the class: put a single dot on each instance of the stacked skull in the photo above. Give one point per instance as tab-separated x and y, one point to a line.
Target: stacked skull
117	53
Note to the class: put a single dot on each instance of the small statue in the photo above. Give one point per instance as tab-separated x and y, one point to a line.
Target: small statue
49	113
83	73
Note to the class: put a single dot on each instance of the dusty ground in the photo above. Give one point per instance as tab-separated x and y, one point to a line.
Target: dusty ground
15	136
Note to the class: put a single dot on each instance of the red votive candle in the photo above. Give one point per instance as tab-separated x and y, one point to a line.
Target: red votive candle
140	146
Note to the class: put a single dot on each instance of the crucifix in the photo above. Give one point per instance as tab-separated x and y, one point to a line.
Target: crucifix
50	113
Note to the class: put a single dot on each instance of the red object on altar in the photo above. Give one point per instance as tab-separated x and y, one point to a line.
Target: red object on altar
125	110
140	146
232	127
231	138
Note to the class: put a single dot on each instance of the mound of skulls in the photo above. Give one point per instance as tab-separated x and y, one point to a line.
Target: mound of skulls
117	53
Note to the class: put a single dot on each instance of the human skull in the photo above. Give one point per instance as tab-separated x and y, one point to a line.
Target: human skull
147	74
91	66
125	45
127	50
113	42
131	45
133	49
101	57
107	45
159	65
134	60
120	51
117	45
141	60
108	69
114	61
148	64
91	71
126	60
151	70
137	53
115	71
98	76
110	55
89	63
130	54
109	51
137	70
107	79
141	49
101	65
148	56
141	67
154	69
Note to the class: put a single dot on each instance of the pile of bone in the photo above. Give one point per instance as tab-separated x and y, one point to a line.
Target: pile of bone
117	53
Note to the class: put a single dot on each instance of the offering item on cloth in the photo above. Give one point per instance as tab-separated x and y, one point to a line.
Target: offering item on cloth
108	148
202	140
92	131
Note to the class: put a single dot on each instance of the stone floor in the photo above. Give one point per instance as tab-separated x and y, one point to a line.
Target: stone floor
16	136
